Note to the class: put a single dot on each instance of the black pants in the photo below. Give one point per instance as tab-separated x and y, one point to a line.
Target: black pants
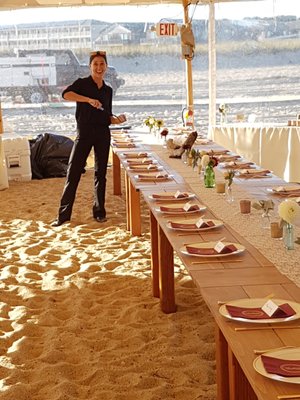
88	138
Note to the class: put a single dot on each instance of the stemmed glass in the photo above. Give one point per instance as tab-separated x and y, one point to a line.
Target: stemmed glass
164	134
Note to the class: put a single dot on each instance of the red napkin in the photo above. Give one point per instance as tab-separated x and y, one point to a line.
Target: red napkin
283	311
180	196
179	209
281	367
191	226
210	251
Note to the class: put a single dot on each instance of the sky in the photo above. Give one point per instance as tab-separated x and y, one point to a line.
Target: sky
234	10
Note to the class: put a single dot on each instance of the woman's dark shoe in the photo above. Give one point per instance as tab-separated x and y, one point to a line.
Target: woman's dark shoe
101	219
58	222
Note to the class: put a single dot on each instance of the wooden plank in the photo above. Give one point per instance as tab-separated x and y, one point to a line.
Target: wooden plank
154	256
166	273
116	166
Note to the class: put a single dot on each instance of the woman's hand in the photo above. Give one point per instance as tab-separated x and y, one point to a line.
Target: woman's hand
95	103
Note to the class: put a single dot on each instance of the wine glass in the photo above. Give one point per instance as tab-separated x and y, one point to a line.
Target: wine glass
164	134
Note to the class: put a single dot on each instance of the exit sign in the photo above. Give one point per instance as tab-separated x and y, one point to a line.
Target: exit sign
166	29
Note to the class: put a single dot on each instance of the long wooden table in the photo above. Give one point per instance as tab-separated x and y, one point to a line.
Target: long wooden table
254	276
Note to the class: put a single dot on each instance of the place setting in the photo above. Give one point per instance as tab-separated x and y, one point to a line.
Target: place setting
260	311
220	152
140	154
145	168
238	165
140	161
153	176
228	157
250	173
286	191
125	144
172	196
213	250
282	364
182	209
194	225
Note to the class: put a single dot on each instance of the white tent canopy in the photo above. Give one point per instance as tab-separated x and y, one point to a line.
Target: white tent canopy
21	4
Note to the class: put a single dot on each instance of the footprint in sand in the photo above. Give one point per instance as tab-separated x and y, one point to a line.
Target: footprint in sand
110	266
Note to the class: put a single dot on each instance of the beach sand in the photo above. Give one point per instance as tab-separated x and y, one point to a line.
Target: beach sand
77	316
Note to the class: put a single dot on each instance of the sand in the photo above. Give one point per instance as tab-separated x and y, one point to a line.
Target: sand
77	316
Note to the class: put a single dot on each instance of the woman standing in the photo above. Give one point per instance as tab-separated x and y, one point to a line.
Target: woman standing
93	116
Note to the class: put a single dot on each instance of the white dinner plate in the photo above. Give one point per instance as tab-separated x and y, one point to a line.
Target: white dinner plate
144	168
285	354
217	224
259	303
177	210
140	154
165	196
210	245
248	172
284	189
139	161
152	177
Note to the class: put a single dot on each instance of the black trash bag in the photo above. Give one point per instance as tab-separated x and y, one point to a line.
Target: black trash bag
49	155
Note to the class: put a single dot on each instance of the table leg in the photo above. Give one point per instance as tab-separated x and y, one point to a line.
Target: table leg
154	255
116	174
127	202
222	363
166	273
232	375
134	210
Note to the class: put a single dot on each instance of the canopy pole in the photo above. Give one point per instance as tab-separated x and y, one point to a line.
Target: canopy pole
212	65
188	65
1	121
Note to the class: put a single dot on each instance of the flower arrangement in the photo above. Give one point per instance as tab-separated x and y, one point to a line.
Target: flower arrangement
223	108
152	122
229	175
210	161
195	154
289	211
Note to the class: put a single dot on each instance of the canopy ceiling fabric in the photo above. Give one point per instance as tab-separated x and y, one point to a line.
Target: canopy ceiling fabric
22	4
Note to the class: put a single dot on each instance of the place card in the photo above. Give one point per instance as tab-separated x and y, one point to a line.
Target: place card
188	206
200	223
277	311
270	308
204	224
219	247
179	194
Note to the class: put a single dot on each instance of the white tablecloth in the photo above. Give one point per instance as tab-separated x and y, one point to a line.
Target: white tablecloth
274	147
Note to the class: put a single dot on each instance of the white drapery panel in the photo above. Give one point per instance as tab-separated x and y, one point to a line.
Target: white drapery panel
273	147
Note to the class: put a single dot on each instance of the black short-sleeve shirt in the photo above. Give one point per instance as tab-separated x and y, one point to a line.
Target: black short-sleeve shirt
86	114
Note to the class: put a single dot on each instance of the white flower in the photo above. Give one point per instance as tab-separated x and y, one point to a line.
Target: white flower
205	160
289	211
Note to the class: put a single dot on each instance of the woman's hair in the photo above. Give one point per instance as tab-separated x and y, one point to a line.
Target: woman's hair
94	54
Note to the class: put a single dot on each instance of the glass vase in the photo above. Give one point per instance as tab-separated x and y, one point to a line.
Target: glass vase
288	236
209	177
229	194
266	219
